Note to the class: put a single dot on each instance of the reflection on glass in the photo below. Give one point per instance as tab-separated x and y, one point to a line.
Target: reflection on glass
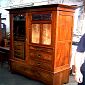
46	34
35	33
19	27
19	36
41	16
19	49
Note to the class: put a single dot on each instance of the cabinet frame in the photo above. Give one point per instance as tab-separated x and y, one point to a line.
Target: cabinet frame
55	56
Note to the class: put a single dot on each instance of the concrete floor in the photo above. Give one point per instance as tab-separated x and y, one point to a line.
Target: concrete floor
71	81
7	78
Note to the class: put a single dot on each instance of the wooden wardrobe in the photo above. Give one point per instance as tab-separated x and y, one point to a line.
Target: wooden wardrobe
41	40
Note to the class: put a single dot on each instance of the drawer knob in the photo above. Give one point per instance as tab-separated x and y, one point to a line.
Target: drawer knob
38	55
38	64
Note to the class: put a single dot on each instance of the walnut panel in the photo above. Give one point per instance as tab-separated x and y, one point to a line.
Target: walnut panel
45	76
41	64
63	54
40	48
21	68
65	26
40	55
33	72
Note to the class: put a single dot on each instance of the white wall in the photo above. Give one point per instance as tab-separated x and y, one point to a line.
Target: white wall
6	3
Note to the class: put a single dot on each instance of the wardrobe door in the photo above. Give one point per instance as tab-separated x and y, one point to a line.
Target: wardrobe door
19	36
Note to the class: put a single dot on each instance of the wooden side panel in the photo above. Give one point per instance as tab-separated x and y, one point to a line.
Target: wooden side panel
0	20
63	53
11	36
64	38
0	31
65	26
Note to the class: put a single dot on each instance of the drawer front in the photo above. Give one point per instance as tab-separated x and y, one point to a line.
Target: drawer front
41	64
42	75
40	55
36	48
33	72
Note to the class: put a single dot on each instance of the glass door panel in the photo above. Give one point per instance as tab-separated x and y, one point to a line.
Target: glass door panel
35	33
19	36
46	34
19	28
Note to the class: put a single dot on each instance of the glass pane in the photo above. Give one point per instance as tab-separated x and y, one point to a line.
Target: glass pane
35	33
41	16
19	49
19	27
19	34
46	34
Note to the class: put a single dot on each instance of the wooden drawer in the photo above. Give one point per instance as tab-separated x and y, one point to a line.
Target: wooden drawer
33	72
40	55
43	49
42	75
41	64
